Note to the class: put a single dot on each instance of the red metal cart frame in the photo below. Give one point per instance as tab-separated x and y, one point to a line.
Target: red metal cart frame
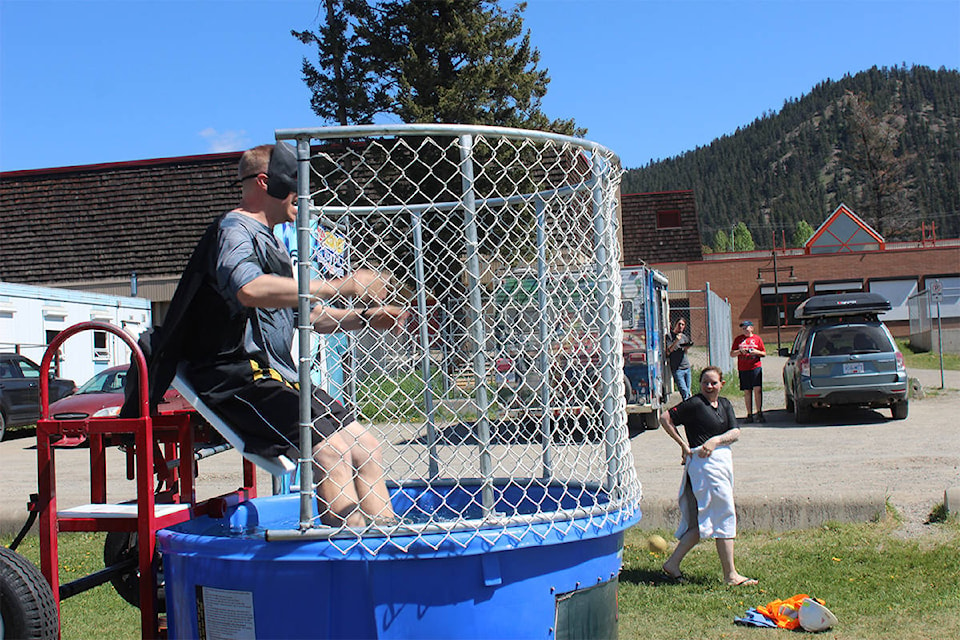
162	447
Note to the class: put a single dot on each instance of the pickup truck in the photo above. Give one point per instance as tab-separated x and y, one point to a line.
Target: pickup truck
20	391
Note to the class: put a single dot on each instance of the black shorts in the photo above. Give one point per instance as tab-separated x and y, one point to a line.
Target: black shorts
751	379
264	410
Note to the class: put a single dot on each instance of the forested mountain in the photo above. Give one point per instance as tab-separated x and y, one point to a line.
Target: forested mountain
885	142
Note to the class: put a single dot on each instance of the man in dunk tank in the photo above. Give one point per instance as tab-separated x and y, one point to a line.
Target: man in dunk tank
230	328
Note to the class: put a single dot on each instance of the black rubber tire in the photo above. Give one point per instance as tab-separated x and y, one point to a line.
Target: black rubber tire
802	412
635	424
788	400
27	607
638	423
651	420
119	546
3	425
899	410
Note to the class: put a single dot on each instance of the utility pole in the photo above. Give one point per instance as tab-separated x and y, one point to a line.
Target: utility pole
776	287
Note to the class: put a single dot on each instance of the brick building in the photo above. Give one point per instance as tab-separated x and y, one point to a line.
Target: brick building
843	255
659	227
126	228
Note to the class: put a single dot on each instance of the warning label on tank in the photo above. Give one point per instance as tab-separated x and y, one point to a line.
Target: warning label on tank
224	614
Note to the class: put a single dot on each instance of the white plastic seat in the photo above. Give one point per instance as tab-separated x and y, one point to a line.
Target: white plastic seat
277	466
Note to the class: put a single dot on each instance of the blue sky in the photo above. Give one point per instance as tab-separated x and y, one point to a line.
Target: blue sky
90	81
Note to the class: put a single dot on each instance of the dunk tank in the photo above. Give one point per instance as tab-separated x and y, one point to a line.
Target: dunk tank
499	405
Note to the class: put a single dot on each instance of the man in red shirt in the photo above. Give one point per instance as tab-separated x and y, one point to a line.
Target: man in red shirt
749	349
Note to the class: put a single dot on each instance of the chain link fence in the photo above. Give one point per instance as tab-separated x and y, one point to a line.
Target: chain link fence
498	405
709	326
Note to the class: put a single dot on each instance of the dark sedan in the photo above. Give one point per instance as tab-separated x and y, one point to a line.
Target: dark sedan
20	390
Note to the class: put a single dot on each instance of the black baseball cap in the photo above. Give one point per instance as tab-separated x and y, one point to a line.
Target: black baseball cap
282	171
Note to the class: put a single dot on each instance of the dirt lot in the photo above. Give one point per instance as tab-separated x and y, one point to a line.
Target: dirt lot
838	467
843	466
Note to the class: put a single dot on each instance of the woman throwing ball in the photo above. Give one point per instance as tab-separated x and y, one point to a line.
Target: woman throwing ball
706	490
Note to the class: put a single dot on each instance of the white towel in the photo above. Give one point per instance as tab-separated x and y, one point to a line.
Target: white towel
709	499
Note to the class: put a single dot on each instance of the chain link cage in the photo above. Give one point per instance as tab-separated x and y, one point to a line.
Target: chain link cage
498	405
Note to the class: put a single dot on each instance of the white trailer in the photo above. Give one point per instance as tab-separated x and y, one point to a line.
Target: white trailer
31	316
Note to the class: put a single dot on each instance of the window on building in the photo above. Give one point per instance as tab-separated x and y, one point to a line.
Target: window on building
781	301
837	286
668	219
949	292
51	335
100	350
896	290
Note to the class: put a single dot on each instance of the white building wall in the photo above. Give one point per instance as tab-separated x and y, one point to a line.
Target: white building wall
28	315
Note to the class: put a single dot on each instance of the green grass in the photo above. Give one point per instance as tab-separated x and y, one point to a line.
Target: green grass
97	613
877	583
927	359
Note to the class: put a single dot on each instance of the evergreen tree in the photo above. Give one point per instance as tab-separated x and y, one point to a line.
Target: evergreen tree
721	242
456	61
742	238
344	88
878	163
801	233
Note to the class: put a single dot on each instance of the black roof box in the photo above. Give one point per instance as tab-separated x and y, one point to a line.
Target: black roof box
841	304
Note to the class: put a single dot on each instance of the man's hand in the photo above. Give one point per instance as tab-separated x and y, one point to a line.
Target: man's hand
367	285
326	319
387	317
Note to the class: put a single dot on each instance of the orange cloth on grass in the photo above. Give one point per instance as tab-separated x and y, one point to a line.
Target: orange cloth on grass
784	613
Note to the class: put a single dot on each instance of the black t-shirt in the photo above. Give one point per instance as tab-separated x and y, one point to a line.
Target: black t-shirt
678	357
701	421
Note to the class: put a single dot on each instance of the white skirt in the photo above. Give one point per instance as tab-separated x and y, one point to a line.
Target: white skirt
706	495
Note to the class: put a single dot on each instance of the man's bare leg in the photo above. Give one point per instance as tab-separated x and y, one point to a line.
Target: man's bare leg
336	492
370	484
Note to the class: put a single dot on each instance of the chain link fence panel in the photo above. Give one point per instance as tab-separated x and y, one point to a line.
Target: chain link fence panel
497	405
709	326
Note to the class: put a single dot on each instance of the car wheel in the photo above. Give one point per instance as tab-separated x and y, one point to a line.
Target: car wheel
899	410
801	410
27	607
637	423
3	425
788	400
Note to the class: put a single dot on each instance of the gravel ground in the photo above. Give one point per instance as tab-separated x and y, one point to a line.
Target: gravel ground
844	457
843	465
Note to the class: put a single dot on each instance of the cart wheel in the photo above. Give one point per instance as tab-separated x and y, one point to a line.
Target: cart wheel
119	546
27	607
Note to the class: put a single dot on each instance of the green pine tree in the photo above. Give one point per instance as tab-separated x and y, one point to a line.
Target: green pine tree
801	233
344	87
721	241
742	238
431	61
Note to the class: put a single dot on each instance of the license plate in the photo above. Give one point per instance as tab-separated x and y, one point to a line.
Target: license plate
852	367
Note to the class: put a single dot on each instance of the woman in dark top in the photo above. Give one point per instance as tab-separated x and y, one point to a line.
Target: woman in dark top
706	491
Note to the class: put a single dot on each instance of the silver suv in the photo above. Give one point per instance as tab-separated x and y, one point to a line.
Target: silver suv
844	355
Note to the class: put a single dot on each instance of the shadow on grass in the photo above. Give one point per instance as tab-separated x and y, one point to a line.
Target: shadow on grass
656	578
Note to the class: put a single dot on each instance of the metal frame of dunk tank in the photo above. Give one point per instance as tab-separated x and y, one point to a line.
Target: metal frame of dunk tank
559	500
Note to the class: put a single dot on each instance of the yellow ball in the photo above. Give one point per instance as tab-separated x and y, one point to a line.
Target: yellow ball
656	543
